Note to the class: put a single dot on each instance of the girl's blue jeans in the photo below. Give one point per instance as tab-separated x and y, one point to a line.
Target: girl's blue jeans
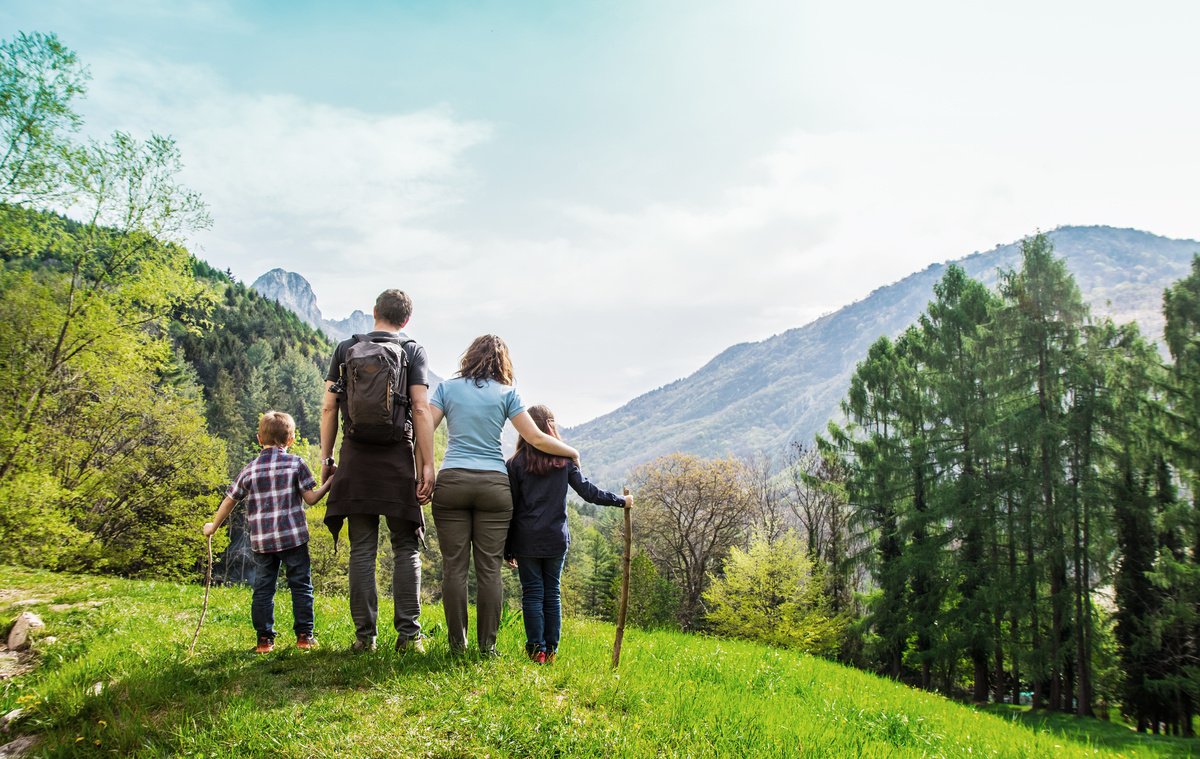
541	600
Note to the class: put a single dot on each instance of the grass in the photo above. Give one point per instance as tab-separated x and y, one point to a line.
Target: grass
117	682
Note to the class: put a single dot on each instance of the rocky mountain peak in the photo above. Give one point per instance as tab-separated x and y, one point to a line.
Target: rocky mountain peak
293	291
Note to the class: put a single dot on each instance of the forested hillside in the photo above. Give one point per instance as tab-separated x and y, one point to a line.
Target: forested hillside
253	354
1021	479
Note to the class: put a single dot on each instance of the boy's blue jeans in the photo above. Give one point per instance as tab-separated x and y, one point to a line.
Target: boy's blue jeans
541	601
299	578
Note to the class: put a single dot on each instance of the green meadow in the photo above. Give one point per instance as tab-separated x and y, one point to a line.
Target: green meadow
116	680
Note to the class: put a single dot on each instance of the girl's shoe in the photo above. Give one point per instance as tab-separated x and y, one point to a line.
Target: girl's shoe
539	657
306	640
266	644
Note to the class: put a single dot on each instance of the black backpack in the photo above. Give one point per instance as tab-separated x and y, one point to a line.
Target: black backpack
374	388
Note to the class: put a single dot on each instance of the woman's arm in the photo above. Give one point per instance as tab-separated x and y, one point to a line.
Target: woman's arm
528	430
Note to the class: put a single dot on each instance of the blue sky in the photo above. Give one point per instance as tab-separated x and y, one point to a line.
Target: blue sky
623	189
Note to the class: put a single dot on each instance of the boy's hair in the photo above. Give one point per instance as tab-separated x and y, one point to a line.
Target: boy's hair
486	358
532	460
276	428
393	307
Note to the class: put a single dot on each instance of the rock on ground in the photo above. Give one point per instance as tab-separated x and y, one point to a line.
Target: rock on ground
18	636
20	747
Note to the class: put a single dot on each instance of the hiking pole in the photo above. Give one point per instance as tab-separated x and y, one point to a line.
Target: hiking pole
204	609
624	607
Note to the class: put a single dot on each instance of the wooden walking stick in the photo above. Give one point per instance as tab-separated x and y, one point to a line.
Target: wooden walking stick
624	607
204	609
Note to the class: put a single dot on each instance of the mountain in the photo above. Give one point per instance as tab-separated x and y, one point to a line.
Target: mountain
293	291
760	396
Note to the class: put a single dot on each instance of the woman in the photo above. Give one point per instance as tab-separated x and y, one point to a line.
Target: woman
472	503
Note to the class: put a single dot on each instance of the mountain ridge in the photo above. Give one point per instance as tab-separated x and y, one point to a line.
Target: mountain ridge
761	395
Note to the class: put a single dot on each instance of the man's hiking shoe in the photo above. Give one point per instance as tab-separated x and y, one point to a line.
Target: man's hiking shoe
306	640
265	645
539	657
362	645
415	644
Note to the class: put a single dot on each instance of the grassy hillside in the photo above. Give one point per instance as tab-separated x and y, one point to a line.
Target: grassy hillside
116	680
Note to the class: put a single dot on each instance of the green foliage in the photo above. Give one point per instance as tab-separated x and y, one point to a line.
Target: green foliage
39	79
100	425
773	594
253	355
653	600
588	581
993	453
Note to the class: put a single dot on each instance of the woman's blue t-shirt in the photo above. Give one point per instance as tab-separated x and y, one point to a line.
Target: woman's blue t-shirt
475	416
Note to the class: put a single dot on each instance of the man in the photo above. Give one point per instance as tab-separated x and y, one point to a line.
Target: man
375	480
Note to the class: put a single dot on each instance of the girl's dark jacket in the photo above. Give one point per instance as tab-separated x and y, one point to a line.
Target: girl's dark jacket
539	520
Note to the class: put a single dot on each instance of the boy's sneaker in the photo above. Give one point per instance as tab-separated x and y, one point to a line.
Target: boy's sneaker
306	640
266	644
539	657
362	645
415	644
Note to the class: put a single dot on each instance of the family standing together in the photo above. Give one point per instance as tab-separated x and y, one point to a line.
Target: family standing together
377	395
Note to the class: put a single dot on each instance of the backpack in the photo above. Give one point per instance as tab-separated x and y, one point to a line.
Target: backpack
374	383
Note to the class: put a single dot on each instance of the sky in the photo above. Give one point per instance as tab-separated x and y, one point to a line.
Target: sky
622	190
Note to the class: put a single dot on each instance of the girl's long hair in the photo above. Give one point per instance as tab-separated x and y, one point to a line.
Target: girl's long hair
532	460
486	358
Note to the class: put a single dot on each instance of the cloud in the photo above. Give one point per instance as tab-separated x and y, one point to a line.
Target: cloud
602	300
293	180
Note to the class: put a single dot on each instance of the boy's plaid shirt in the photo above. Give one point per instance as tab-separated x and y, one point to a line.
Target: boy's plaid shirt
271	487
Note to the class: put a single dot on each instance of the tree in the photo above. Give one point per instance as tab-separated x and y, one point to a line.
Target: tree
817	500
98	421
774	594
691	511
767	495
872	447
954	347
653	600
39	79
1042	316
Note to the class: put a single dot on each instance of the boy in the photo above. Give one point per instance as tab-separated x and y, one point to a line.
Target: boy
275	486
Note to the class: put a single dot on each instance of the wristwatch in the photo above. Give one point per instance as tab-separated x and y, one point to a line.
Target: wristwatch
328	461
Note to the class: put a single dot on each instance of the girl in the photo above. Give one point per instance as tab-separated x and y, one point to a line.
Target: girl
538	536
472	504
